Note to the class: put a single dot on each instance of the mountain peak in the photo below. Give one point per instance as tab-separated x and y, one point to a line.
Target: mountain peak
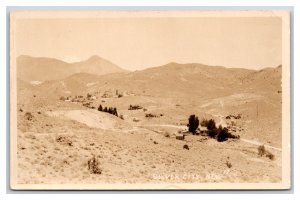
94	57
23	57
43	69
172	63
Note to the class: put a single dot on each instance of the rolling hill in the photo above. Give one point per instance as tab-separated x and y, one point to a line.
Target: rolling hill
40	69
173	80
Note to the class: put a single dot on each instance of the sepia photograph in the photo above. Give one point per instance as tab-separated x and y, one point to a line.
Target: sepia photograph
150	100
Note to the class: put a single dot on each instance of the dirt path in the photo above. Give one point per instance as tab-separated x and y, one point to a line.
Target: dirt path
223	123
95	119
165	125
259	143
253	142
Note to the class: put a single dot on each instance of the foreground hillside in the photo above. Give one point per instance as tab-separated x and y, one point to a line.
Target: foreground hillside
64	132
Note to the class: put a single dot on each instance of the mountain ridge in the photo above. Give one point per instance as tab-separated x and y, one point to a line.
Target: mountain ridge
45	69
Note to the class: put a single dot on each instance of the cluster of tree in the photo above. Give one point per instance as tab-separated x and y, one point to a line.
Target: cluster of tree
239	116
149	115
109	110
210	124
220	133
134	107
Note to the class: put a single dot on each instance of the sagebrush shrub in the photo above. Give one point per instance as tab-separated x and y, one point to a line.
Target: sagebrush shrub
186	147
28	116
261	150
93	166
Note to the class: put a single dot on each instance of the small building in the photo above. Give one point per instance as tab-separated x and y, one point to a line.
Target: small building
180	136
203	130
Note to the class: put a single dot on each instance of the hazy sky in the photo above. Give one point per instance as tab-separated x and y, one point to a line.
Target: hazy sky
137	43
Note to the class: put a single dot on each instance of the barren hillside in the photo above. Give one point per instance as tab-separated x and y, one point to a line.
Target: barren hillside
64	131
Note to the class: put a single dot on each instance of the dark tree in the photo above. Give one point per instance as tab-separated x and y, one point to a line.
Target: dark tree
223	135
105	109
211	124
193	124
115	112
100	108
213	132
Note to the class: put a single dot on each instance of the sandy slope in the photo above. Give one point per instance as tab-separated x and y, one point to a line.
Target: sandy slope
44	160
91	118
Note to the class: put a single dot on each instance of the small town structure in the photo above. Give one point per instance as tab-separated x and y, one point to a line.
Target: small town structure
180	136
203	130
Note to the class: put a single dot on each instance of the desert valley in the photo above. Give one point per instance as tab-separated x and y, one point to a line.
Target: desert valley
65	137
